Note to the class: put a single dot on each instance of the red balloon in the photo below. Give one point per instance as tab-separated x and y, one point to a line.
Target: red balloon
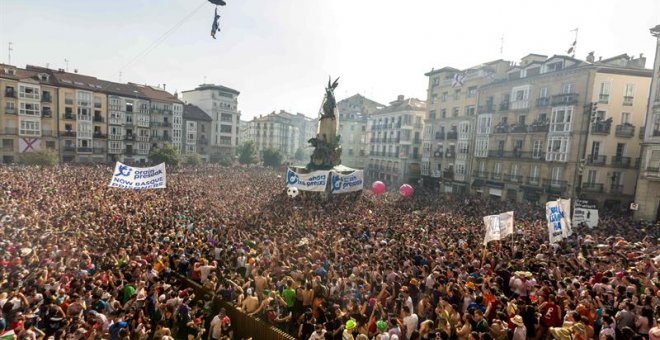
378	187
406	190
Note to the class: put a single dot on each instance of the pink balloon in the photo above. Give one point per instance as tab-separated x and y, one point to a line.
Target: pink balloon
378	187
406	190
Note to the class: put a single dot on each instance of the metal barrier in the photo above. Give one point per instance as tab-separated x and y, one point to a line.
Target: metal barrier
245	326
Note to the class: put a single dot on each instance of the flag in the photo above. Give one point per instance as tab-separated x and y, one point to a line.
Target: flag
498	226
558	214
458	80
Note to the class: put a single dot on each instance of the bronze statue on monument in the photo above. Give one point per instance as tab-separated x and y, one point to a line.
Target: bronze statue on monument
327	150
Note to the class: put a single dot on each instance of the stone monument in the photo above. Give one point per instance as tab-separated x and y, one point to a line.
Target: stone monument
327	150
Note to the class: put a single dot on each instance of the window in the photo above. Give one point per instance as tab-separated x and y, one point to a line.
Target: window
29	109
84	98
68	99
443	113
455	112
30	128
470	110
604	93
432	114
472	91
98	102
592	176
457	94
628	94
656	125
595	150
514	171
557	149
433	98
620	150
444	96
463	130
543	92
129	106
518	145
557	173
625	118
28	92
481	147
567	88
224	140
534	173
463	147
484	124
460	169
560	121
497	170
537	149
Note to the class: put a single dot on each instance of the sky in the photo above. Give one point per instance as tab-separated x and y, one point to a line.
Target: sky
279	54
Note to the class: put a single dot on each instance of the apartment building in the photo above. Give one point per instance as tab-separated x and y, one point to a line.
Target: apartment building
450	123
27	104
221	103
648	183
561	127
129	124
276	130
165	116
395	137
196	131
353	119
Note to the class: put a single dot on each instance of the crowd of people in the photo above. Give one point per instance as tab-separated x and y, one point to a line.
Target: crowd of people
80	260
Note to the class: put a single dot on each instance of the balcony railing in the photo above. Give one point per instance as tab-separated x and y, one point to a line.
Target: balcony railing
129	137
532	181
448	174
592	187
519	104
601	128
451	135
504	106
603	98
84	150
620	161
496	176
565	99
439	135
46	98
10	93
539	127
99	119
625	130
554	186
628	101
616	188
68	133
513	178
543	102
202	141
501	129
481	174
69	148
451	154
46	113
519	128
596	159
69	116
100	135
48	133
87	118
10	110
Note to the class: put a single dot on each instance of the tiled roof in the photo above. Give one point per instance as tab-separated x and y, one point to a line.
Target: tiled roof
214	87
156	94
193	112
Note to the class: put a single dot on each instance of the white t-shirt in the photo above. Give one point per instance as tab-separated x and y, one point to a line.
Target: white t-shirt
205	271
411	324
216	327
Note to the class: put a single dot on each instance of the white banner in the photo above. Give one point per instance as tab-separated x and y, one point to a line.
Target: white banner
498	226
313	181
127	177
558	214
346	183
585	211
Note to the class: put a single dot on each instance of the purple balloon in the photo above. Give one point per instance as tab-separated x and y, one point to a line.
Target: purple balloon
378	187
406	190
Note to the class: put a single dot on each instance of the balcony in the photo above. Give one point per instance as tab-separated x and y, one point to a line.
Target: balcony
504	106
539	127
532	181
48	133
69	148
11	131
628	101
68	101
46	113
620	161
167	124
501	128
69	116
438	154
554	186
84	150
592	187
616	189
519	105
625	130
596	159
10	110
512	154
480	174
203	141
439	135
513	178
86	118
156	124
99	151
9	93
519	128
603	98
488	108
129	137
601	127
496	176
98	119
543	102
100	135
68	133
448	174
565	99
452	135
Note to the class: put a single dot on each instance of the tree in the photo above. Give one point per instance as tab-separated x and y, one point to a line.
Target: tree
272	157
193	159
247	153
300	154
167	154
43	157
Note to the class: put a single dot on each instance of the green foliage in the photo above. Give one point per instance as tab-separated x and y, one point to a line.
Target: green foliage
167	154
226	161
247	153
193	159
272	157
43	157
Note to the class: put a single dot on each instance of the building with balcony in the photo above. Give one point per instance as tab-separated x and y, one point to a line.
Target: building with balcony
128	126
221	103
276	130
28	106
353	117
450	121
537	138
196	131
165	117
395	139
648	182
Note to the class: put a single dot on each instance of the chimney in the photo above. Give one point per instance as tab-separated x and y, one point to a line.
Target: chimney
75	70
590	57
164	87
642	60
399	97
60	70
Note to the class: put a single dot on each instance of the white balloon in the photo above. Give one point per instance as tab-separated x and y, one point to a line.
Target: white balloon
292	192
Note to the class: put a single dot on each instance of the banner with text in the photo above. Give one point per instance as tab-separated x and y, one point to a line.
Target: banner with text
558	214
127	177
585	211
498	226
347	183
313	181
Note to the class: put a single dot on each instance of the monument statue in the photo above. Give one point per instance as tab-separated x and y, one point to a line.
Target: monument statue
327	151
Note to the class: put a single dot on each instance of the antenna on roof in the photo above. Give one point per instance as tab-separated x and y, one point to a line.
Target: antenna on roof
9	49
66	61
502	45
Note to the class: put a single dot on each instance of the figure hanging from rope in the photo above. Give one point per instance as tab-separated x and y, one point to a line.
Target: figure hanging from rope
216	18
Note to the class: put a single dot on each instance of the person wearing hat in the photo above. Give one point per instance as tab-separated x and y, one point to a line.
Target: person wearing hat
520	332
381	328
349	328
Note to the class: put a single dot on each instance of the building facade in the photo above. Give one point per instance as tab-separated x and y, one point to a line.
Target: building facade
648	184
395	137
555	128
196	131
221	103
276	130
129	124
450	123
353	119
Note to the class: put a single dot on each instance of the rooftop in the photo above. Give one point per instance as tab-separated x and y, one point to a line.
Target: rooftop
204	87
193	112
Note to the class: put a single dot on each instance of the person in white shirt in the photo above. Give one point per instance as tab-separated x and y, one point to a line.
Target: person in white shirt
215	331
319	333
410	320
